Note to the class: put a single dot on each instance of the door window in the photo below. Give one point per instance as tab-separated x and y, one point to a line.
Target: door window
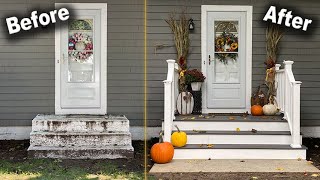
226	47
80	50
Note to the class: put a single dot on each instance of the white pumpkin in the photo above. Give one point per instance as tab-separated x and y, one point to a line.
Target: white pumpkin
270	109
185	103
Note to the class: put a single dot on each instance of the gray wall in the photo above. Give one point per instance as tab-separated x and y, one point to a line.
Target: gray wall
302	48
27	63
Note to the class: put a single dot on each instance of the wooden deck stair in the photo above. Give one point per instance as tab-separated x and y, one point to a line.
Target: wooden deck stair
236	137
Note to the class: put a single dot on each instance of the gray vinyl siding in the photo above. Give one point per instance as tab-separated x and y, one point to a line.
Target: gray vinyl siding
27	63
302	48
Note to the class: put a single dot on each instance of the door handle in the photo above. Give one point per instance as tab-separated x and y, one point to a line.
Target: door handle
209	59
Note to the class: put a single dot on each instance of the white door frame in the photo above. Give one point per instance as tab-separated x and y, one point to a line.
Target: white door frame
204	56
103	61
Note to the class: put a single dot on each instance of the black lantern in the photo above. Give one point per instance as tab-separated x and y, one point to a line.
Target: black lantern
191	25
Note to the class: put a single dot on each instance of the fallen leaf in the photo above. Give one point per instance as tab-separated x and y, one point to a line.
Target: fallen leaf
299	159
280	169
193	118
254	177
199	131
254	131
231	118
210	145
309	162
200	145
201	116
315	175
207	117
238	129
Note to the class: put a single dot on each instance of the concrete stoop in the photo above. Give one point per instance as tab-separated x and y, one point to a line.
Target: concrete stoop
80	137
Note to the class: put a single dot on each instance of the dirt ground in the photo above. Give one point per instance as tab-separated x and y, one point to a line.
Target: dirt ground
16	151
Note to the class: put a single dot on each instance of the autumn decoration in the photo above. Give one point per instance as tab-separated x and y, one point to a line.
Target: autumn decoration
258	97
179	138
195	78
273	36
226	42
162	152
180	29
256	110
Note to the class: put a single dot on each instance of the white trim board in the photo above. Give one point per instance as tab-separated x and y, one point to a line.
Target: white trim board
204	54
23	132
103	62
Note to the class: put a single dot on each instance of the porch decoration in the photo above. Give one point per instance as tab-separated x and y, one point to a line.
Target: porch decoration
226	42
179	139
270	109
195	78
162	152
80	47
185	103
273	36
256	110
180	29
258	97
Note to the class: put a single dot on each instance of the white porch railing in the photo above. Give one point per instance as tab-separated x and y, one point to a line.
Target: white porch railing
170	95
288	99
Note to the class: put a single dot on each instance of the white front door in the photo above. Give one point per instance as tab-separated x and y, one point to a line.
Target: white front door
226	59
81	62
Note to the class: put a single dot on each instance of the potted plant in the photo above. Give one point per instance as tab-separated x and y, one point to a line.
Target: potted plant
195	78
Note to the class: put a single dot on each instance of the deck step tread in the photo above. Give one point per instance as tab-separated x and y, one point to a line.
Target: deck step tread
200	132
240	146
229	118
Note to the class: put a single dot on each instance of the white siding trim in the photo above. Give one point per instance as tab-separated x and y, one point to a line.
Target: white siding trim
204	59
15	133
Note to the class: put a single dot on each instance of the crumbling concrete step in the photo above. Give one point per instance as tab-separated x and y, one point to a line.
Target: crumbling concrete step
84	152
79	139
80	123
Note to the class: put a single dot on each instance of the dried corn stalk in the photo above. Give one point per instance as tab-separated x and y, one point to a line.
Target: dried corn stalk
180	30
273	36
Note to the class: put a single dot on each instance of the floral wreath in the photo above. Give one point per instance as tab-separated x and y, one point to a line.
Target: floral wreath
88	45
226	42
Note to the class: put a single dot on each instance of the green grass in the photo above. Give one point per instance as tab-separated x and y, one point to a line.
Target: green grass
46	169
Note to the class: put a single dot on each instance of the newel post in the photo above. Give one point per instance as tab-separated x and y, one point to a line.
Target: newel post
278	67
296	139
168	103
288	64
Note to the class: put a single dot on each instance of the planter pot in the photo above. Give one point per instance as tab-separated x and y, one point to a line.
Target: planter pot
185	103
196	86
270	109
80	46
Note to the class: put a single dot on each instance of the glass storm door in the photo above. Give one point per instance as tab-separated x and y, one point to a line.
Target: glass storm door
226	67
80	64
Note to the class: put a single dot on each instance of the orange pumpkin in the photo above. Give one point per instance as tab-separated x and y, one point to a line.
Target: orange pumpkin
256	110
162	152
